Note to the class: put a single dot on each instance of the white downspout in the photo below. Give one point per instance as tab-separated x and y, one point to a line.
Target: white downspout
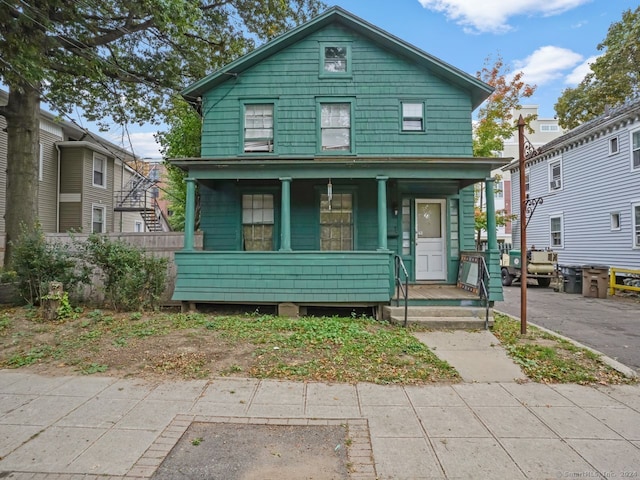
58	191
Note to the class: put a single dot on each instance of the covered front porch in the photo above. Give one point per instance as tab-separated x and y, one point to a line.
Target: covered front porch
388	202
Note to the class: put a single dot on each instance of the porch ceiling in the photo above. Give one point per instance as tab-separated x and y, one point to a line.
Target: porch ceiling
465	169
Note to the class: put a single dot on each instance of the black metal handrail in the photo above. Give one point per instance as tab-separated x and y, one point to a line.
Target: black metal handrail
484	293
400	287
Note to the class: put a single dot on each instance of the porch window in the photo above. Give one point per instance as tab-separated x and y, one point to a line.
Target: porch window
412	117
97	219
635	150
336	222
556	229
335	126
406	226
99	170
258	128
257	222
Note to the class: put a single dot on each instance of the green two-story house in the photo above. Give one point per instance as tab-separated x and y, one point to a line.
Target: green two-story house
331	157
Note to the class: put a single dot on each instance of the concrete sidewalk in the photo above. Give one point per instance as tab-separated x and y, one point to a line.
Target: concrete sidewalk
85	427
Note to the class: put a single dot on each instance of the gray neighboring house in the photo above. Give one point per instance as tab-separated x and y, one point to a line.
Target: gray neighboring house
86	183
589	180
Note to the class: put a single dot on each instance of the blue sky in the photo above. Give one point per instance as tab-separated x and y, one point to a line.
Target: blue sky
551	41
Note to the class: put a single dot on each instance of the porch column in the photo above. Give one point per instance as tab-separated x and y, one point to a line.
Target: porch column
285	215
382	212
493	254
190	214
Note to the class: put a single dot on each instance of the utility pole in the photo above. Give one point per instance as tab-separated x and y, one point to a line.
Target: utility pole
523	229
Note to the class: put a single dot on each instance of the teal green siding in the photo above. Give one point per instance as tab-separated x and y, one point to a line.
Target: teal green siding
378	83
274	277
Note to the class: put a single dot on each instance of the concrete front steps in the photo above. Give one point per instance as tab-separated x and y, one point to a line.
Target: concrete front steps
439	318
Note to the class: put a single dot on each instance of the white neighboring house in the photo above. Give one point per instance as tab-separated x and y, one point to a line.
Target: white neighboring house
589	180
544	131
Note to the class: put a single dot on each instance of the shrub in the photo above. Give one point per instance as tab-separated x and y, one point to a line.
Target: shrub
132	280
36	263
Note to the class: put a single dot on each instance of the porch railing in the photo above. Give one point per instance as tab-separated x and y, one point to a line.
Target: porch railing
483	289
400	286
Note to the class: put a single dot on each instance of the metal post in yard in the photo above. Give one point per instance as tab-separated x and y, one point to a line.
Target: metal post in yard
523	229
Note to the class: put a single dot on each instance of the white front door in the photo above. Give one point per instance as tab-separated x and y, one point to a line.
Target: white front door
430	240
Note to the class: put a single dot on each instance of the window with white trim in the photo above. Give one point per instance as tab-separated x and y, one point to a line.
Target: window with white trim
549	127
499	190
412	117
98	215
138	227
613	145
258	127
99	170
635	215
555	175
615	220
335	126
336	221
257	222
556	229
527	180
635	150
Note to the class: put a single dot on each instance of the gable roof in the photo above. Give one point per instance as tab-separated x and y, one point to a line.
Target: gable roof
478	90
620	115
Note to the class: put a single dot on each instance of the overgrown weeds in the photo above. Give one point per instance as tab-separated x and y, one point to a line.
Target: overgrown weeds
548	359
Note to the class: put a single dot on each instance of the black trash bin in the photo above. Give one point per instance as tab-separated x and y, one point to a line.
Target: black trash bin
571	278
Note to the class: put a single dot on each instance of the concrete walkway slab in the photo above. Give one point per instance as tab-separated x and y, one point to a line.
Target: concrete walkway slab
477	356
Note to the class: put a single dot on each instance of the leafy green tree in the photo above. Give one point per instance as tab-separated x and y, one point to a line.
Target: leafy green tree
116	59
614	76
496	123
181	140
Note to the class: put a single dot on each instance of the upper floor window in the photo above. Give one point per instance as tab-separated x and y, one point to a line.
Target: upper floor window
257	222
549	127
499	190
335	126
613	145
412	117
555	175
258	127
635	150
99	170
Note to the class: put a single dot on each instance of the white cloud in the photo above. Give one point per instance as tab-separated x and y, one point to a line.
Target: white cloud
578	73
492	15
142	144
546	64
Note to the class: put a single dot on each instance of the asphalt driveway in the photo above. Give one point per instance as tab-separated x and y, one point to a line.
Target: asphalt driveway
611	326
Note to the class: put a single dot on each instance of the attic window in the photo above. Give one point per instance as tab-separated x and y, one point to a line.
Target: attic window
335	60
412	117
